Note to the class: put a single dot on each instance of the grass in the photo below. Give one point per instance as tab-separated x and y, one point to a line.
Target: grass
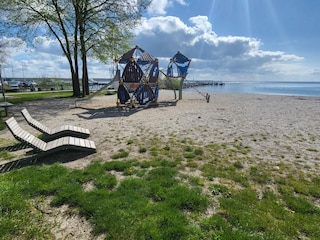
16	98
6	155
159	197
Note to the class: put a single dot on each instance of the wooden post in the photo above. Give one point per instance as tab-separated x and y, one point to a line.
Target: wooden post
180	88
5	104
2	87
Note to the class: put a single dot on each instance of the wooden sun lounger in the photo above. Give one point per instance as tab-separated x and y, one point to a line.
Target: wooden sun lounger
50	134
44	148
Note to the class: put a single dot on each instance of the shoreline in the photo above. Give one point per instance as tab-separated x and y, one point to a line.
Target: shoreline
281	88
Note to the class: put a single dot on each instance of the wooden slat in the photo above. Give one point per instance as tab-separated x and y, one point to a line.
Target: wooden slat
72	141
82	143
52	146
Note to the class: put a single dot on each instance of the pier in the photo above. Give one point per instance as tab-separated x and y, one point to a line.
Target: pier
189	84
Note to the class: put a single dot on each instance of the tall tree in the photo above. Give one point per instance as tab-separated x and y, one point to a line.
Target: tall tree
88	28
105	28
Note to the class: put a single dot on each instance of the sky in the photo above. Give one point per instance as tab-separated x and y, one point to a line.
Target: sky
227	40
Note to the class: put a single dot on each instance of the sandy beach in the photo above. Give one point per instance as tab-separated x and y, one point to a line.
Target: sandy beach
276	128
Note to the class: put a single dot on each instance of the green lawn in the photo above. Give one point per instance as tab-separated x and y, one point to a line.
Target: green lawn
160	197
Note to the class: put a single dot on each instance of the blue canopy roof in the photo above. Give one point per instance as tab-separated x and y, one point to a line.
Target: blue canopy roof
178	65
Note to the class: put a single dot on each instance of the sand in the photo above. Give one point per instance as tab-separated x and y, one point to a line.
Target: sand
275	128
272	126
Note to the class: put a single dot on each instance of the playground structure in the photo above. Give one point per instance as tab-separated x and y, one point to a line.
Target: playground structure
178	70
139	77
140	72
137	73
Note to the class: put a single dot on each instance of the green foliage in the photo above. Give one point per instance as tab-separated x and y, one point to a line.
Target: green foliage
238	165
121	154
99	176
188	149
100	29
218	189
26	97
111	211
168	197
2	124
6	155
259	176
189	155
167	148
118	166
142	150
18	218
170	84
198	152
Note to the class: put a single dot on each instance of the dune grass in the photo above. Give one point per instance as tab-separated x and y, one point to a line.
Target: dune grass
175	189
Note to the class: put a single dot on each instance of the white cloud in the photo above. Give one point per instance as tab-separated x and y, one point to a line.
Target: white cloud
315	71
163	36
213	57
47	45
182	2
159	7
291	70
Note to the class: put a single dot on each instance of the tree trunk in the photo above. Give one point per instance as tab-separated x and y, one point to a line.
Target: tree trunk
85	81
74	78
85	75
75	85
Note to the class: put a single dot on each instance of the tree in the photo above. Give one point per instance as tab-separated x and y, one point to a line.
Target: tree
104	28
5	44
3	53
88	28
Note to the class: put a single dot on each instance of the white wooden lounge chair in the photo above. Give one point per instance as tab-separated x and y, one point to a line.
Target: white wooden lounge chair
43	148
50	134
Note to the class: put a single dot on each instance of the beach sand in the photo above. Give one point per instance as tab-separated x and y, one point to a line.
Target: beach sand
275	128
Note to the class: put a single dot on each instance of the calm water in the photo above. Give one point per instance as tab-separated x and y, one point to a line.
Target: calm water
270	88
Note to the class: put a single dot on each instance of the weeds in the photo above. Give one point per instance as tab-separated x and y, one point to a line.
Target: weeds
6	155
156	200
121	154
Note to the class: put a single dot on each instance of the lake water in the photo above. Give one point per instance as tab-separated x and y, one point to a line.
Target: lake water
269	88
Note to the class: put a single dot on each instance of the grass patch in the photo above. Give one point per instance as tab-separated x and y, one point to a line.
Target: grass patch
121	154
142	150
312	150
168	196
6	155
17	98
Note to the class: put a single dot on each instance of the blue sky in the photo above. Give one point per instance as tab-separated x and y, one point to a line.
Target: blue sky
227	40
